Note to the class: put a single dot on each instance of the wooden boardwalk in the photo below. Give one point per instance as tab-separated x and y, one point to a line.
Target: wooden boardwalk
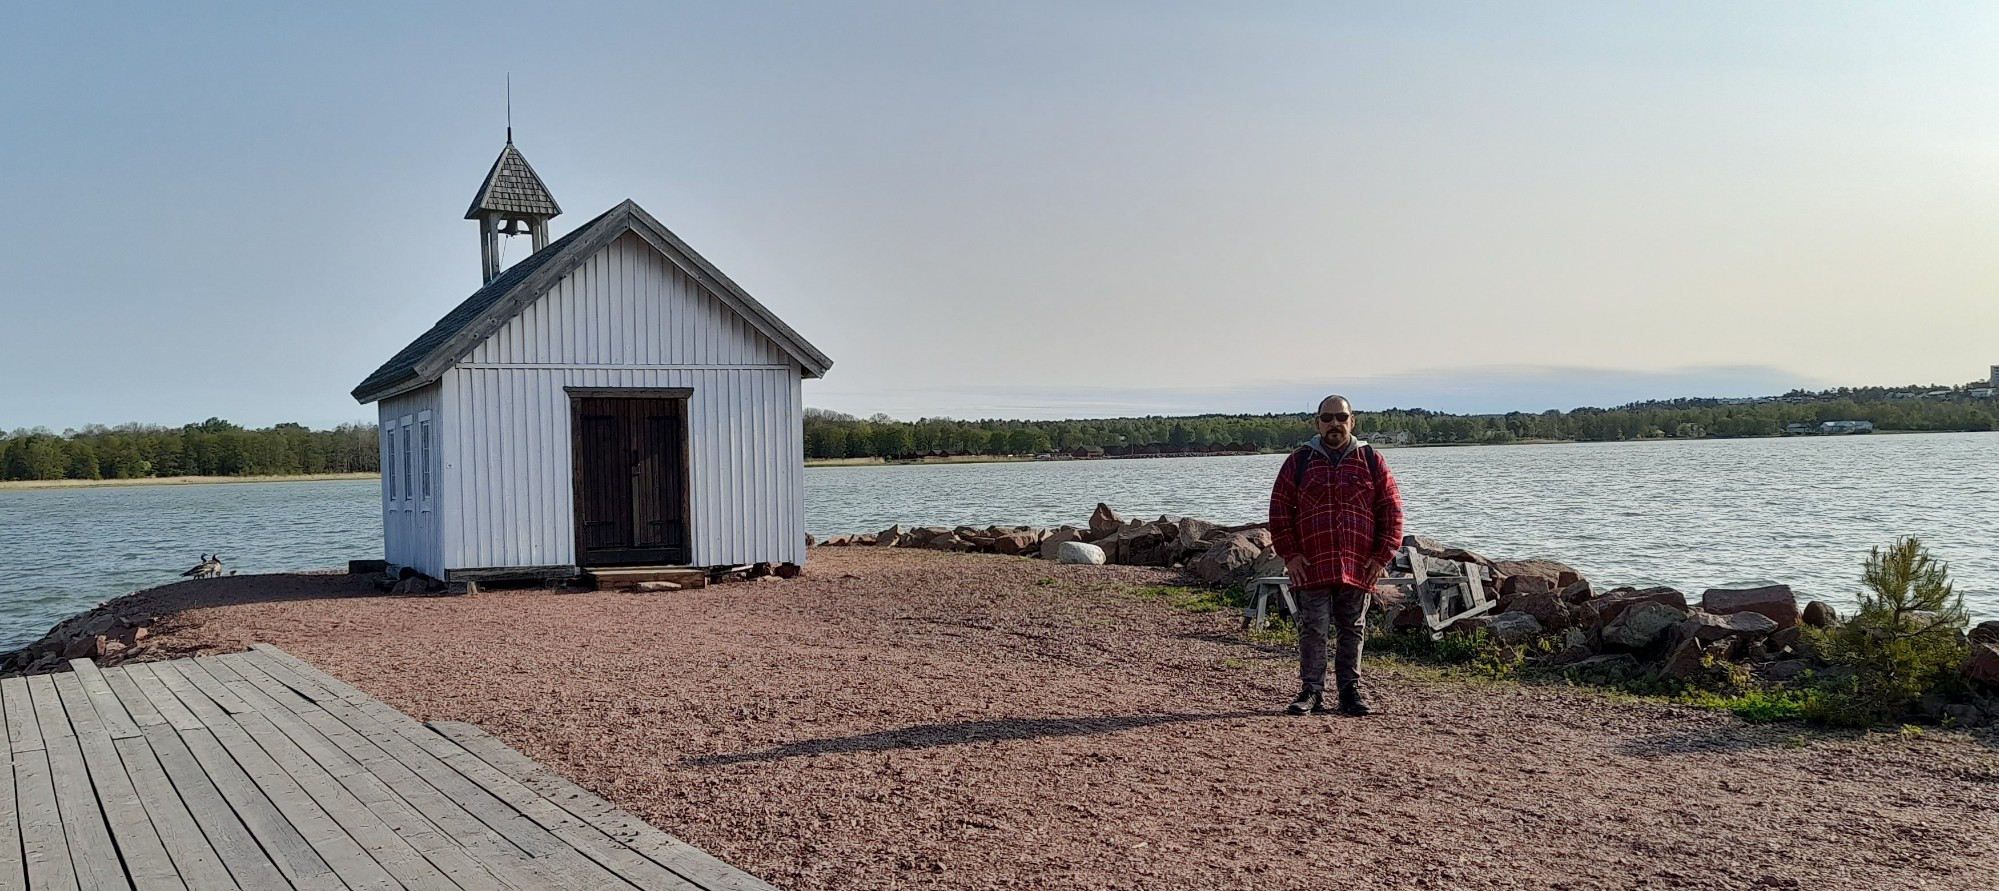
256	771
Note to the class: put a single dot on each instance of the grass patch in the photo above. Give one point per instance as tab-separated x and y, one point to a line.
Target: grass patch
1193	600
1754	706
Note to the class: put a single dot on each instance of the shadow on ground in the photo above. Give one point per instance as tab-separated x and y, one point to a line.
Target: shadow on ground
925	736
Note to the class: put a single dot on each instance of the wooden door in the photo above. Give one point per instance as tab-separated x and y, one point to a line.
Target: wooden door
631	481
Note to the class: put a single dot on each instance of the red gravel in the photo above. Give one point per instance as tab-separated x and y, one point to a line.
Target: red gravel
899	719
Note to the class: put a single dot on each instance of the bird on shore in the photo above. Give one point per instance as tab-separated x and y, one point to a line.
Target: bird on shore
209	567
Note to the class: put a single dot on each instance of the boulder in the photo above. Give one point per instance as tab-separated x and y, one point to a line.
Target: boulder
922	535
1230	560
1575	648
1525	585
1190	533
1746	627
1986	632
1128	543
1642	624
811	542
1055	540
787	570
1428	547
890	537
1605	669
1547	607
1775	601
1819	614
865	539
1784	671
1014	544
1105	521
1579	592
1507	628
949	541
1541	569
1685	661
836	541
1078	553
1983	665
1613	604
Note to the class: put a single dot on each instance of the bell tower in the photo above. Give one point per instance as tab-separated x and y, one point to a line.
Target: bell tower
512	201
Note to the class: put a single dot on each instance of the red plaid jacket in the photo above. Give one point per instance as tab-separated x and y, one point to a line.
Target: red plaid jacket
1346	521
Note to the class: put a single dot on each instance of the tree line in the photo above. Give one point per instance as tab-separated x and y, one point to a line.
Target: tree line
830	434
213	447
216	447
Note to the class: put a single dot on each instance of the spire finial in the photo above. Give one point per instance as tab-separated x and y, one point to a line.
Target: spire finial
510	108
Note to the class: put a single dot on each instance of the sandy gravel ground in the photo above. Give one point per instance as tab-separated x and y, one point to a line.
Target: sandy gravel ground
898	720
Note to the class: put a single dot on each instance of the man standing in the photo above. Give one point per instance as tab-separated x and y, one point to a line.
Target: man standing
1336	519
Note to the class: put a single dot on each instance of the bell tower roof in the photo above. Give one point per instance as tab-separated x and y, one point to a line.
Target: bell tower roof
512	189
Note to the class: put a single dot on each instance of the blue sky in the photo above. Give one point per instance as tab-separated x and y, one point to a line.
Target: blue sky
1026	210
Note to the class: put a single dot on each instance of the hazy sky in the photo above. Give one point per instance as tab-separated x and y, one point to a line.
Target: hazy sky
1023	209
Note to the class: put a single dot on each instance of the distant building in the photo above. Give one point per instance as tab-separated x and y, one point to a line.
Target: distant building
1995	376
1799	429
1983	392
1847	427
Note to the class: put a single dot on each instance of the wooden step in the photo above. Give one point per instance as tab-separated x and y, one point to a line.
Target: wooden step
627	577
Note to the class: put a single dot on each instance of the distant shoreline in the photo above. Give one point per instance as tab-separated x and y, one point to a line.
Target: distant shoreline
1009	459
184	481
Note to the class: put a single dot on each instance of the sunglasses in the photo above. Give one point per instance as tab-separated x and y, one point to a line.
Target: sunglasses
1334	417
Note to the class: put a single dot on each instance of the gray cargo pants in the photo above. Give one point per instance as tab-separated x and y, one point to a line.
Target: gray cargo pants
1341	609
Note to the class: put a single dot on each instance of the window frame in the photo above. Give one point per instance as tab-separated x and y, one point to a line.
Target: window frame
389	462
425	488
409	493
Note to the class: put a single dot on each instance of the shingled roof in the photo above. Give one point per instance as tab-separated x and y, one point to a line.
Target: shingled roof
490	307
512	187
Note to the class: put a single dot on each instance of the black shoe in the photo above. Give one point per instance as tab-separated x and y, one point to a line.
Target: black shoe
1308	702
1352	703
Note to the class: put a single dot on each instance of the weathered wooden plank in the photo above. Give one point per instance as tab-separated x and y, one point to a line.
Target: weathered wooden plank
409	825
44	847
395	855
227	830
264	652
290	677
144	714
269	693
552	853
196	861
579	833
91	851
488	848
331	844
398	862
144	857
49	715
219	793
24	733
13	872
196	670
684	859
170	708
116	719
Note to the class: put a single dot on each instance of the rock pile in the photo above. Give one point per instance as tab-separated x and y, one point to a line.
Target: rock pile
102	634
1219	555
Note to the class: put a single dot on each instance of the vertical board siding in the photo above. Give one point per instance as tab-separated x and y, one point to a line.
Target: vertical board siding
626	317
412	530
517	496
628	306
